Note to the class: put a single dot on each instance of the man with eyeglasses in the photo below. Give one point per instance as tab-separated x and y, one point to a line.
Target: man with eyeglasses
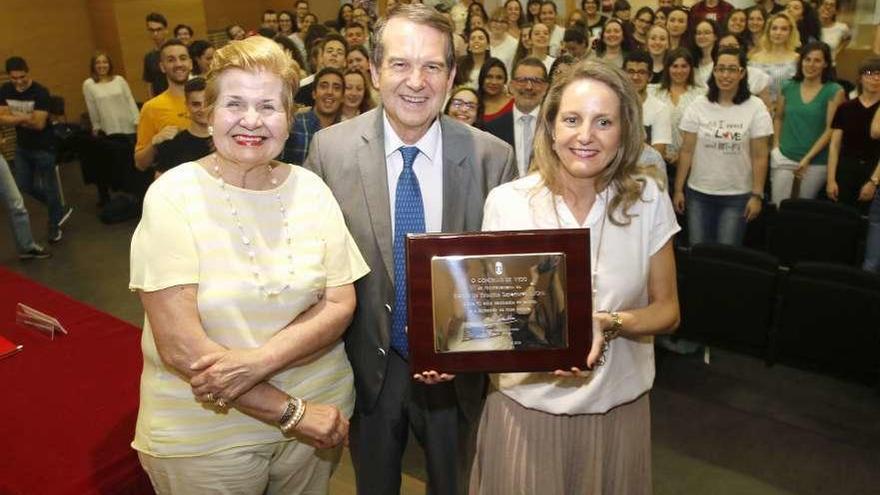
656	115
517	128
157	27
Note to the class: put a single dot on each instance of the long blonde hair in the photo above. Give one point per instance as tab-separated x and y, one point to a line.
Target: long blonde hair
623	172
794	36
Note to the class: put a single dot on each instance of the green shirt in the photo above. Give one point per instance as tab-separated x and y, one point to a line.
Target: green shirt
803	123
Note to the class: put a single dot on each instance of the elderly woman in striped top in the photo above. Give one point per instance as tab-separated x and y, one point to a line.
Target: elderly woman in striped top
245	268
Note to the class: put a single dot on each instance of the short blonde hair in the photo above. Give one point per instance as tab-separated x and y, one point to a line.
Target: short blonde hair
623	172
254	54
794	36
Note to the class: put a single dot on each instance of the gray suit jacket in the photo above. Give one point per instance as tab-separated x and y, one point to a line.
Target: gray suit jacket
350	157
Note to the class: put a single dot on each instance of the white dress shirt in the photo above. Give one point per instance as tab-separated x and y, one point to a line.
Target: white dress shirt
522	153
428	168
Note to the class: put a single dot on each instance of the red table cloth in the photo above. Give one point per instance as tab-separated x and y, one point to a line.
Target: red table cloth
67	406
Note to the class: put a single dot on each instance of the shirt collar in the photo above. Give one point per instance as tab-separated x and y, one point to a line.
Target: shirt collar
517	113
427	145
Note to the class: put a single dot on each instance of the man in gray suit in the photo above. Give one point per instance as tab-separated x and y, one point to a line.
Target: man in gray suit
401	168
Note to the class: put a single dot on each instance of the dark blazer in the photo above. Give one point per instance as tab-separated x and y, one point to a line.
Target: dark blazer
502	128
350	157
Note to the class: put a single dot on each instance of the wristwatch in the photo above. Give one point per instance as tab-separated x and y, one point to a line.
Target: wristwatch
616	324
758	195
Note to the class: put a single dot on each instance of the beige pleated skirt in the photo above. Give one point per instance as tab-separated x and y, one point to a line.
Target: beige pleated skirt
529	452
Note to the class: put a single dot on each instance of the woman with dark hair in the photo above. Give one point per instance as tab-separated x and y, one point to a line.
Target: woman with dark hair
286	23
201	52
852	154
661	15
468	67
735	23
357	98
756	19
114	116
184	33
678	90
464	105
594	18
561	64
533	11
525	44
492	91
759	81
643	21
476	18
678	25
802	126
835	33
613	43
705	35
343	16
358	58
658	47
595	418
723	156
805	18
515	17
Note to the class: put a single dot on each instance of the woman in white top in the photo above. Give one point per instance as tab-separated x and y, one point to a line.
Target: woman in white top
114	117
614	43
835	34
776	53
593	420
723	156
540	40
515	17
245	269
502	45
468	67
677	89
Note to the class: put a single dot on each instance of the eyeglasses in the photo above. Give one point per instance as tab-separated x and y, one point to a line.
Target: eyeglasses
871	73
525	81
457	103
720	69
633	72
155	30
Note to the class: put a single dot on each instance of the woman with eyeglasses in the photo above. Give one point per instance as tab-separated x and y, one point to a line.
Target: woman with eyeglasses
501	43
802	126
852	154
643	21
464	105
723	156
492	92
759	81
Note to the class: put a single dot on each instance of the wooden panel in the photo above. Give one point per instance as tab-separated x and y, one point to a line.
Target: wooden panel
56	40
222	13
105	33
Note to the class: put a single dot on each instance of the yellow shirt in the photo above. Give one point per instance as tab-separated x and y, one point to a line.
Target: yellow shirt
163	110
188	235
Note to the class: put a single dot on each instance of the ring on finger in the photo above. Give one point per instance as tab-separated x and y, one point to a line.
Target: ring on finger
211	397
220	403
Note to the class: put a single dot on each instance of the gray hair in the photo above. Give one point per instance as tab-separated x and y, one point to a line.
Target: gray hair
419	14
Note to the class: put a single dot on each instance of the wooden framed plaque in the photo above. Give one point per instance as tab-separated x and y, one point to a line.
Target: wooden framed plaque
499	301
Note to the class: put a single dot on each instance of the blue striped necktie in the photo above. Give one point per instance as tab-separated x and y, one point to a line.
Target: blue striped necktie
409	217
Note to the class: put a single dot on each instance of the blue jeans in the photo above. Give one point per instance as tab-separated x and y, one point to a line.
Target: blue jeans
872	245
18	215
35	175
715	218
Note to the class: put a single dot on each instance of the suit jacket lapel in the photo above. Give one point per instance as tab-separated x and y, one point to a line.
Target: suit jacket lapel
374	177
456	146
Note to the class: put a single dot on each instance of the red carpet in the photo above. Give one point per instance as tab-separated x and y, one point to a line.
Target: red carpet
68	406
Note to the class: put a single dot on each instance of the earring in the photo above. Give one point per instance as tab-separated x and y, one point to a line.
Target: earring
210	130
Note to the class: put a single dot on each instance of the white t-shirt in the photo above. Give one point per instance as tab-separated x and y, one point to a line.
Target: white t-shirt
657	117
834	35
556	38
188	235
621	283
722	163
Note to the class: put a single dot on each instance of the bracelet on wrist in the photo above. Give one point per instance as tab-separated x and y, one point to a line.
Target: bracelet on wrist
293	419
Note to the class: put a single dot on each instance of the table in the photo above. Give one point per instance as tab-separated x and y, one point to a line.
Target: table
68	406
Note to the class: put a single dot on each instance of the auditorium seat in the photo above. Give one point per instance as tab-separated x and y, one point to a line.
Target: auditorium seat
728	296
830	320
815	230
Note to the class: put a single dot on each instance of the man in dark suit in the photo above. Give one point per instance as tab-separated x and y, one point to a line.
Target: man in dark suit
396	169
517	128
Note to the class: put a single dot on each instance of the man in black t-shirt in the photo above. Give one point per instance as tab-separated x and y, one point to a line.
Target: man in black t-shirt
193	142
157	26
24	104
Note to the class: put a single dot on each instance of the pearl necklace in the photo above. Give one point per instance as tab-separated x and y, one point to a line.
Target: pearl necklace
247	242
